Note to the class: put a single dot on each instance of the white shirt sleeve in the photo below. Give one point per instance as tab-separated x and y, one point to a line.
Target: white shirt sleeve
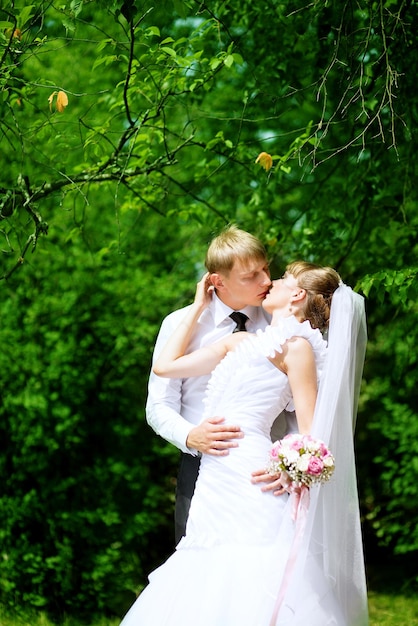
164	397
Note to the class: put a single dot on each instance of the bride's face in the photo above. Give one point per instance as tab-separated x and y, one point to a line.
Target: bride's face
281	294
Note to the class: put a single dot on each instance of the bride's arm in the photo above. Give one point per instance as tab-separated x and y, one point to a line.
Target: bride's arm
301	371
172	363
298	362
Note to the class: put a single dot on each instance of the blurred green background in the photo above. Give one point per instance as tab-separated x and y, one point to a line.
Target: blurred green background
106	209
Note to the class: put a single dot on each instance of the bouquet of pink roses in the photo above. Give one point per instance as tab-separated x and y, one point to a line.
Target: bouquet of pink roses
306	460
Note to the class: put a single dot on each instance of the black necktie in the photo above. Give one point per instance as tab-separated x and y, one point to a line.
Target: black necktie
239	319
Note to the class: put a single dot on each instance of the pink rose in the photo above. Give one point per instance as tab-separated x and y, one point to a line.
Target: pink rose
323	449
297	444
328	460
275	449
315	466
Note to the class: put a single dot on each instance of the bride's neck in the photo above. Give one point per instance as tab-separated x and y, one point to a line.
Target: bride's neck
281	314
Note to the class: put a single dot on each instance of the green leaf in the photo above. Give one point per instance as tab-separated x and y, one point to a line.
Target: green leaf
76	7
169	51
25	15
107	60
153	30
215	63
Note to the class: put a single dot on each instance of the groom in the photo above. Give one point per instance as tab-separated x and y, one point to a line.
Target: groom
239	269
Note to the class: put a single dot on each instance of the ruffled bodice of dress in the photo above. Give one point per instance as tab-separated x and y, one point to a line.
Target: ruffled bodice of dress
246	373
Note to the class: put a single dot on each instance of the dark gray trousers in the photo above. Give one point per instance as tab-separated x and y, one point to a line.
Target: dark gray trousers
186	480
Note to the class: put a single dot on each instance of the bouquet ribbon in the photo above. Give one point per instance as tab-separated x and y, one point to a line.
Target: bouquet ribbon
300	505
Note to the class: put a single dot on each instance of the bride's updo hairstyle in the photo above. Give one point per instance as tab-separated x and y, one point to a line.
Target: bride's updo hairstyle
319	284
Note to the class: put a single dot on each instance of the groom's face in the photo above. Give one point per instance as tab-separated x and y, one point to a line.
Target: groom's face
245	284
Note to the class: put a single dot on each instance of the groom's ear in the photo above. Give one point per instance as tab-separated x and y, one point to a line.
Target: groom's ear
217	281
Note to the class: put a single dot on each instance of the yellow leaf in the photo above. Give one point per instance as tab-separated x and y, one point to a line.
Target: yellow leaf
62	101
265	160
50	99
16	33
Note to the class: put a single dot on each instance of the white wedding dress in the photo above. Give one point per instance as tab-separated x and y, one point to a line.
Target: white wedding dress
228	569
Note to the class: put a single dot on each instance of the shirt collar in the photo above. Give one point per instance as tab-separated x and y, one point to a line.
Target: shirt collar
221	311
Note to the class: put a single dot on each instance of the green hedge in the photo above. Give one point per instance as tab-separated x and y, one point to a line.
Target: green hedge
87	490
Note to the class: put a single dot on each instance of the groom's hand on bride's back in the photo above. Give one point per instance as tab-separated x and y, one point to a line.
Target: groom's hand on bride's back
213	436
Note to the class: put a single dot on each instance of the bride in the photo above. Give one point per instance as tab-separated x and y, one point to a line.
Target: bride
244	561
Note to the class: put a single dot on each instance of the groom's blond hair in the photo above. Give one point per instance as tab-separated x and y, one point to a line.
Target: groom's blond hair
233	245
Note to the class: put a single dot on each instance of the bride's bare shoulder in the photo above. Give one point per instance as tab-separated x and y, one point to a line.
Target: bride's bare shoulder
232	341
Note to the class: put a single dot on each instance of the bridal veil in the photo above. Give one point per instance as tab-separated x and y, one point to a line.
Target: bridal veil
332	536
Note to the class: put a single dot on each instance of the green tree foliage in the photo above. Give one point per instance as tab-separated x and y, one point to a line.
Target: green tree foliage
87	501
117	194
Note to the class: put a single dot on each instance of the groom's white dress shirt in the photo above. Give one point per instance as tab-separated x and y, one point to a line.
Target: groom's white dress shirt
175	406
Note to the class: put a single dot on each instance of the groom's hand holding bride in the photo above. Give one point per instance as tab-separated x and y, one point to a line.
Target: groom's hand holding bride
215	437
